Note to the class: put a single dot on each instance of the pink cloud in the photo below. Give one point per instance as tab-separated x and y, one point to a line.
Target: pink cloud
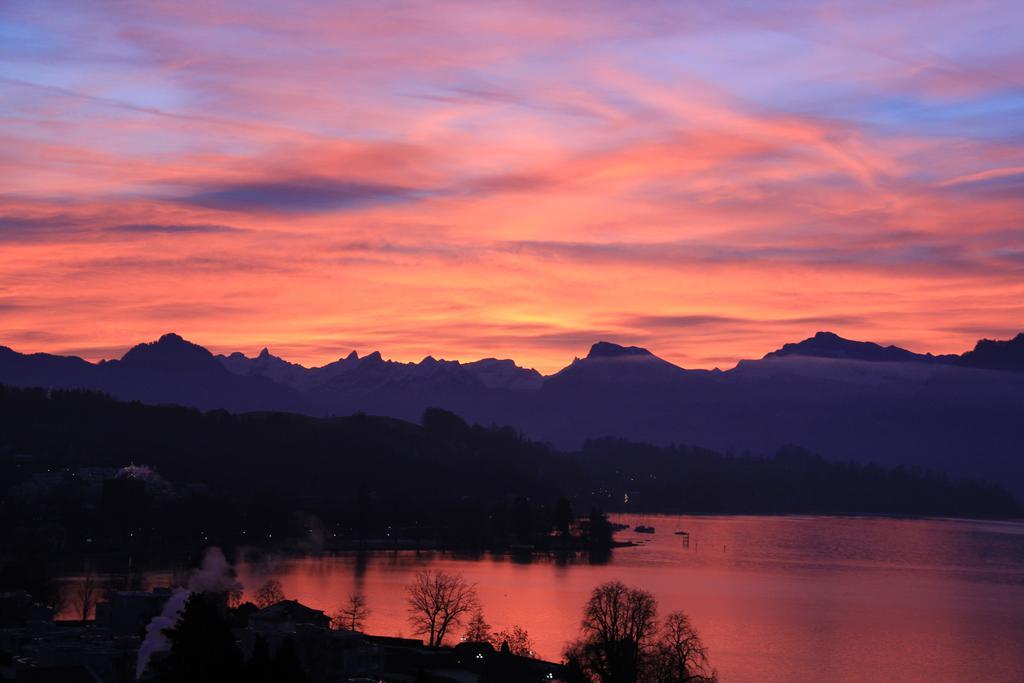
468	181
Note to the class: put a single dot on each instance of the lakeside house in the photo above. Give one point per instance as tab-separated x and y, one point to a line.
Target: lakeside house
35	647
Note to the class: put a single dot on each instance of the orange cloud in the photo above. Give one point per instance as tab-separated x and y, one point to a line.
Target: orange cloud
469	181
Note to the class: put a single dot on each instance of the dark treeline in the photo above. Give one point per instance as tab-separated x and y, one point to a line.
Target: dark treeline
682	479
260	479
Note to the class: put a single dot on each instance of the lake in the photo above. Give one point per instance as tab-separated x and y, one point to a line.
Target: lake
775	598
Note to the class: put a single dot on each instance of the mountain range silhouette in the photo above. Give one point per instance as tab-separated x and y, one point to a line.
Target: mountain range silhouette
845	399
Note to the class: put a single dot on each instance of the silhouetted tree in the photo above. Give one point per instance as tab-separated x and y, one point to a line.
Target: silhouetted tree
515	640
352	616
478	630
234	598
618	626
621	643
679	655
203	648
438	601
87	593
573	668
270	593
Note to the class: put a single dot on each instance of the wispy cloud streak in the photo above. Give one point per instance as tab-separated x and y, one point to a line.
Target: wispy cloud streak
476	179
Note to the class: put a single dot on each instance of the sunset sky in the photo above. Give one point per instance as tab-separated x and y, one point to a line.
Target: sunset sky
510	179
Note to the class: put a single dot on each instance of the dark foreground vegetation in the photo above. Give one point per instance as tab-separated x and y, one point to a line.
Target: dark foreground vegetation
81	472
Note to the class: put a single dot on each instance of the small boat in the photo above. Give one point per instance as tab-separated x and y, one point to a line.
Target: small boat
682	533
643	529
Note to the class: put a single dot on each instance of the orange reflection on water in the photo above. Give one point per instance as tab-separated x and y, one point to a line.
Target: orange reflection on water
775	598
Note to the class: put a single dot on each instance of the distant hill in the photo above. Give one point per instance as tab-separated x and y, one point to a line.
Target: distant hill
996	355
442	470
851	400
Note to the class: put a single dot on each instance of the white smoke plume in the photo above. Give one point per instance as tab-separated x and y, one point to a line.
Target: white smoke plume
213	576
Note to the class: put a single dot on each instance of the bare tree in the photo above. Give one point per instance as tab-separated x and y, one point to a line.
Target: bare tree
618	626
87	592
270	593
437	602
679	655
517	641
353	615
235	597
478	630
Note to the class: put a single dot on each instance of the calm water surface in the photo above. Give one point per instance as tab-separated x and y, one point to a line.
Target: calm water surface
775	598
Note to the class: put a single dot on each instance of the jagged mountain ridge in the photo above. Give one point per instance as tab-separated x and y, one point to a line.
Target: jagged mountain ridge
987	354
831	345
169	370
488	372
844	399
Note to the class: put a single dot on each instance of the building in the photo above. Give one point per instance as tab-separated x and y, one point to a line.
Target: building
286	615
